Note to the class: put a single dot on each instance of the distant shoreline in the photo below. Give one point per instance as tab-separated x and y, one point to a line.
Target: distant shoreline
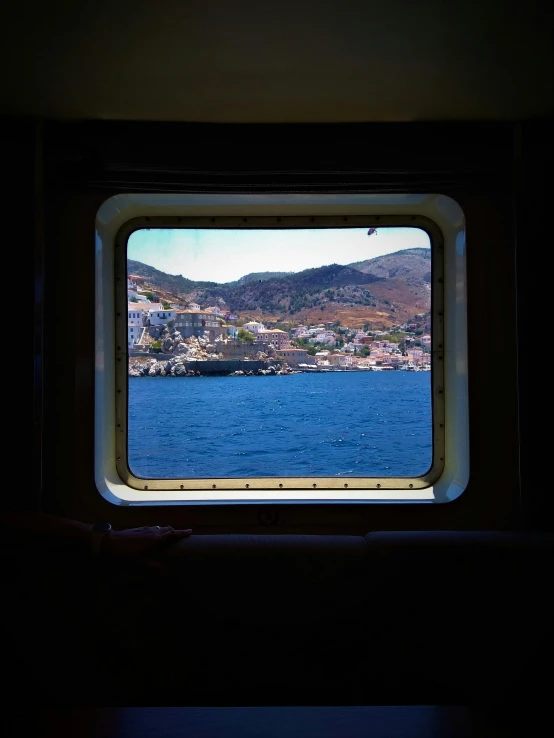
291	370
177	366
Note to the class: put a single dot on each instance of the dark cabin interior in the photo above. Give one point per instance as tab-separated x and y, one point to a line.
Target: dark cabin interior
289	619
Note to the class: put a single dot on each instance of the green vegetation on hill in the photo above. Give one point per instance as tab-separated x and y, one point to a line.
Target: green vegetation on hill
175	283
257	277
395	285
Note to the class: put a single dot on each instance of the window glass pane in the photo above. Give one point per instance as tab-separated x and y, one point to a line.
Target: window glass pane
279	352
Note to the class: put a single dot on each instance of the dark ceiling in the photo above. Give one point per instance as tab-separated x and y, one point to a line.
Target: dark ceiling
393	60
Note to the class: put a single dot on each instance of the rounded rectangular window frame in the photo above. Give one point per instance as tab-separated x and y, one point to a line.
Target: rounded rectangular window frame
121	486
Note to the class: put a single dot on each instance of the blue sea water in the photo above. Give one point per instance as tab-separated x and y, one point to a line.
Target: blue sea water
321	424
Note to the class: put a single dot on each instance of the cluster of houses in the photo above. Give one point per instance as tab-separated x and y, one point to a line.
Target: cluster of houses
216	325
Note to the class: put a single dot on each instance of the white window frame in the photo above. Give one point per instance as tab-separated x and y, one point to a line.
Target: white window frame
440	215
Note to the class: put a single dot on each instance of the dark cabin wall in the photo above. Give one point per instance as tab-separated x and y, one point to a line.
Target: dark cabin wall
23	230
308	61
279	620
532	205
526	205
297	620
474	163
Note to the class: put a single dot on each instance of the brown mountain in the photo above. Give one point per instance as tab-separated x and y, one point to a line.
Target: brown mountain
384	291
409	264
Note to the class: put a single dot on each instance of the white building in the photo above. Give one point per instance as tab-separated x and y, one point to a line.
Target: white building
324	337
134	315
139	298
158	315
193	306
340	360
254	327
134	333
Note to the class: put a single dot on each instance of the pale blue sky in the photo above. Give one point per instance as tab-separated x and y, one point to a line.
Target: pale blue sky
221	255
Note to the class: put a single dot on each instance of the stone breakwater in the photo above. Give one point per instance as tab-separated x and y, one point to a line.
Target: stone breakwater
177	366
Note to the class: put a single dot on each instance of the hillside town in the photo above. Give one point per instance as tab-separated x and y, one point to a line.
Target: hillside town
159	325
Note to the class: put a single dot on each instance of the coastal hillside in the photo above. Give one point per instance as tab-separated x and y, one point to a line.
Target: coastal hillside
174	284
408	264
258	277
384	291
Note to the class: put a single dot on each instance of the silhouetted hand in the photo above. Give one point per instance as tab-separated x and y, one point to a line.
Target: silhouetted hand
146	545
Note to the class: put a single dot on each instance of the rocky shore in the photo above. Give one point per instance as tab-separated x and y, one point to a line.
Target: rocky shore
196	356
178	366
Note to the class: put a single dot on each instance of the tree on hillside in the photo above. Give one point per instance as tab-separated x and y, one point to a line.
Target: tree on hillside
244	335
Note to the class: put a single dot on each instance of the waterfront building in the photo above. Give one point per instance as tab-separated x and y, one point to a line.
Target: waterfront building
254	327
295	356
280	339
197	323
